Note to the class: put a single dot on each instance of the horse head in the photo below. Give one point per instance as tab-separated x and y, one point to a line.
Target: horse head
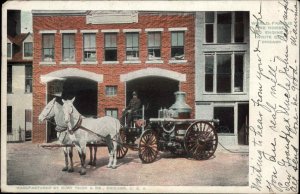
68	109
48	111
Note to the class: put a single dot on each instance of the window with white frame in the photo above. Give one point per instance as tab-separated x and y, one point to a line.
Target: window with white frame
177	45
113	112
9	50
224	27
110	47
154	44
27	49
89	47
68	47
48	47
132	46
28	78
111	90
9	79
224	72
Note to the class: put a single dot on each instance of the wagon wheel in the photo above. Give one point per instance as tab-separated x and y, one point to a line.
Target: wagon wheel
148	146
201	140
121	149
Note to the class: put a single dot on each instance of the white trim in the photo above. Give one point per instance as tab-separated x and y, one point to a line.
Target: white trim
155	62
132	30
68	63
178	61
71	72
89	31
132	62
110	30
88	62
153	72
47	63
67	31
154	30
110	62
178	29
47	31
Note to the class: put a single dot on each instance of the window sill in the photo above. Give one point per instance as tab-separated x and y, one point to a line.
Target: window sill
236	93
47	63
154	61
27	92
68	63
177	61
132	62
231	43
88	62
27	58
110	62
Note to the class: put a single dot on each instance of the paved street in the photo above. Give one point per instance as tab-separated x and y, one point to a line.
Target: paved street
29	164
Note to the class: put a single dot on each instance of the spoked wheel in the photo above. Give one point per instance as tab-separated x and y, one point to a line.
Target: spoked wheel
121	149
148	146
201	140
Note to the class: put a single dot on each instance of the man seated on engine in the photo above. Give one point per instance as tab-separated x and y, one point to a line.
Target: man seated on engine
131	109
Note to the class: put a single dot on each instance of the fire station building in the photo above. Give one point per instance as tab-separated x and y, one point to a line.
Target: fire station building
101	57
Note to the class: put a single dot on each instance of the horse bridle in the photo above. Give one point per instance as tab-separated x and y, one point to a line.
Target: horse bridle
62	128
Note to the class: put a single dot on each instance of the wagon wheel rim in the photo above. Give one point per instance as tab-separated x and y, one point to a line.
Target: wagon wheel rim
148	147
201	140
121	149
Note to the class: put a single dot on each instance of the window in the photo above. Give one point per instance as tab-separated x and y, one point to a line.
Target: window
28	79
177	49
209	26
218	27
209	73
111	90
9	79
238	72
132	46
110	47
48	47
27	49
154	42
113	112
9	119
224	72
9	50
68	47
89	49
226	118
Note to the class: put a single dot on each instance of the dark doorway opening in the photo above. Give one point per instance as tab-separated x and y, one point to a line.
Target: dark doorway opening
85	93
154	92
243	124
226	118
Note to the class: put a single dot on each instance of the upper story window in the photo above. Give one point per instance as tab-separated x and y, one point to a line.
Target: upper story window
28	79
110	47
9	79
68	49
224	72
224	27
89	49
27	49
177	45
132	46
48	47
154	44
111	90
113	112
9	50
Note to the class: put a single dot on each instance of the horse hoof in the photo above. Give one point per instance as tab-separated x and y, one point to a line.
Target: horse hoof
71	170
64	169
90	163
94	164
82	173
108	166
114	167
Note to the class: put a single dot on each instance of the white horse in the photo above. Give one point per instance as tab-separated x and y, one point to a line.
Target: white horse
54	109
85	130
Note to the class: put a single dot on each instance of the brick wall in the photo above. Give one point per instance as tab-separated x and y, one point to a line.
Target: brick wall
111	73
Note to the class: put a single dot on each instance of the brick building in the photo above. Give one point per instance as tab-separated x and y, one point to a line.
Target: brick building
101	57
19	79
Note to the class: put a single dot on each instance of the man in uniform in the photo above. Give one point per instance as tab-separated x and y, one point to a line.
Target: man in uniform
131	109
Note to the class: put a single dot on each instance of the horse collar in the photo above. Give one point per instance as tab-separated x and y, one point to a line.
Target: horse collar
77	126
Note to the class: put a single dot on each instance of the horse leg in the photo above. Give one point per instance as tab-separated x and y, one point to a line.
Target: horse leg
91	156
114	152
71	168
110	150
95	154
83	170
66	159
